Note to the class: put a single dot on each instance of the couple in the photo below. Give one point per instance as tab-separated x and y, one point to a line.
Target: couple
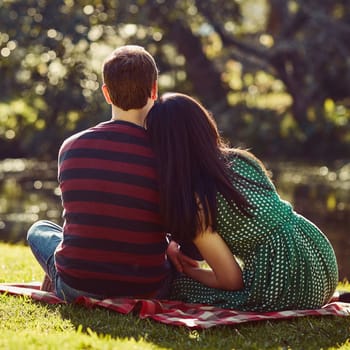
162	167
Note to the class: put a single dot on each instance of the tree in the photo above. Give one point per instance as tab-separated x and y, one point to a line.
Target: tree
307	50
51	53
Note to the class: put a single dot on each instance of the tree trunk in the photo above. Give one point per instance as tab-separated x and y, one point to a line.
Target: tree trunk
206	80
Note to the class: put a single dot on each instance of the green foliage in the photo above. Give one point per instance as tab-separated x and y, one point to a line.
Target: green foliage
288	59
25	324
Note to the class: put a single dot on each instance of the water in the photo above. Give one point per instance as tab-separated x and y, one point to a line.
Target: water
321	194
29	192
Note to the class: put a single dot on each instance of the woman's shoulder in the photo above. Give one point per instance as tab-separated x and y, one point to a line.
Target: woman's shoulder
243	158
246	166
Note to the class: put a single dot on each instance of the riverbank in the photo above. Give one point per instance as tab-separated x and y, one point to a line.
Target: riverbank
29	192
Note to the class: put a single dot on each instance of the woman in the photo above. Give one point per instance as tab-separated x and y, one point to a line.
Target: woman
223	201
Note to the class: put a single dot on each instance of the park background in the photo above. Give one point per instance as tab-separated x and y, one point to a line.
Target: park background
274	73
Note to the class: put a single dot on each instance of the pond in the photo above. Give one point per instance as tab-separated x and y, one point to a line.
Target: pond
28	192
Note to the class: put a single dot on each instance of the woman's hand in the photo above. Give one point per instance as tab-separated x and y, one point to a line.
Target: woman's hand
178	259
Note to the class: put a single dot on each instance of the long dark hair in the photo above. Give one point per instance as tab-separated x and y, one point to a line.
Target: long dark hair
192	165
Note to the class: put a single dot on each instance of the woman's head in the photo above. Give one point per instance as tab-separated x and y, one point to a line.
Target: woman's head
189	153
180	125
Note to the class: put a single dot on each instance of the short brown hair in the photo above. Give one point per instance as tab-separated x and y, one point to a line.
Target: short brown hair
129	74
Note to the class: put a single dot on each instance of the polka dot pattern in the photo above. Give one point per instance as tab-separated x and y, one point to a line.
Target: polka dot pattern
287	262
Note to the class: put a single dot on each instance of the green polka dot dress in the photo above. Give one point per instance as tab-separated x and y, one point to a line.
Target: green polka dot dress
287	262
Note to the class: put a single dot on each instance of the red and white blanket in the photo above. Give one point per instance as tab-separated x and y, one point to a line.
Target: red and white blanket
195	316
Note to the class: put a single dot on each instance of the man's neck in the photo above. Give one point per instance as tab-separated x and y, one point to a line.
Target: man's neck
136	116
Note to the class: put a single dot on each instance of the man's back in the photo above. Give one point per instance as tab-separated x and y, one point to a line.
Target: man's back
113	243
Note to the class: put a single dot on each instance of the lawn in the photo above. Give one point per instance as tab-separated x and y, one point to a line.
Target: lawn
25	324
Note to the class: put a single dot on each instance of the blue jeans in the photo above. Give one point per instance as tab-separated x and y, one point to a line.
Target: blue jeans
43	238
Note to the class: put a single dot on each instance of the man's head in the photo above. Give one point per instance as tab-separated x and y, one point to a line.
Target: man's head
130	77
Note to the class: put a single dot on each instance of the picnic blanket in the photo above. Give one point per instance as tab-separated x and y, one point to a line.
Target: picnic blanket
194	316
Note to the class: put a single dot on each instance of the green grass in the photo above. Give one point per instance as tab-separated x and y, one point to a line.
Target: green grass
25	324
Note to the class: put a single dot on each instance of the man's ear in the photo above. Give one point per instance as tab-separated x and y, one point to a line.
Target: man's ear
106	94
154	92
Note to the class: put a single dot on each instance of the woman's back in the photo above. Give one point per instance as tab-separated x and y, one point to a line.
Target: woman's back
268	211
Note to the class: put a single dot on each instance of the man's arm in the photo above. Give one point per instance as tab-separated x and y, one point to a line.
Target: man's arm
178	258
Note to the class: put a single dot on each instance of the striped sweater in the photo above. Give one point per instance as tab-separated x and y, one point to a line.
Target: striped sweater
113	243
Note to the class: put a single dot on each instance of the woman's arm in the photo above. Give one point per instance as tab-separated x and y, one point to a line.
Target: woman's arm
225	272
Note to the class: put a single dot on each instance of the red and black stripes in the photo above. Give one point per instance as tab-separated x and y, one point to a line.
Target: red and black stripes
113	238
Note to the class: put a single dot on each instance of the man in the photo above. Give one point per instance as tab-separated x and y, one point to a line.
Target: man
111	242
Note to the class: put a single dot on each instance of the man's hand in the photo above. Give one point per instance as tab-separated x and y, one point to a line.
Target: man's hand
178	259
